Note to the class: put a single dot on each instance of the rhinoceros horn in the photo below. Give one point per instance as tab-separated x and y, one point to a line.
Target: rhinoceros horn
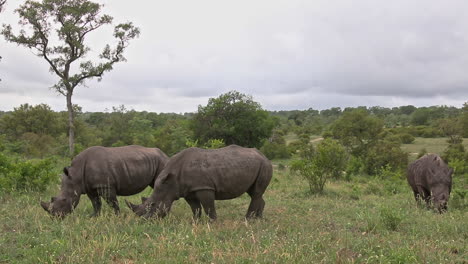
131	206
45	206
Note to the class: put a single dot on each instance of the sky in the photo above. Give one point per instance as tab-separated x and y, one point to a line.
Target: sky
286	54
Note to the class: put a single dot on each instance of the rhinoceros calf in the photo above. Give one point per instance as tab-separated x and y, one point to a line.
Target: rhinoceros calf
106	172
203	176
431	180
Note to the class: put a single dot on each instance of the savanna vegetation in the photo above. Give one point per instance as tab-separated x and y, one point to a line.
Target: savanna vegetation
338	193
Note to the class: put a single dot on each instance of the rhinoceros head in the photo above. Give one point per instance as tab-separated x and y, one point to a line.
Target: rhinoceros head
441	192
58	206
146	208
160	201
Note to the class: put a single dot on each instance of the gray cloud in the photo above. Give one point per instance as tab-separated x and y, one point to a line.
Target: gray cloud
291	54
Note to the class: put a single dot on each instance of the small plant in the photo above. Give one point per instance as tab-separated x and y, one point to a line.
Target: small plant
369	220
390	218
459	199
422	152
355	192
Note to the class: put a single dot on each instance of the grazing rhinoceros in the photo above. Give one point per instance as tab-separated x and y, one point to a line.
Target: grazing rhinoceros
202	176
431	179
106	172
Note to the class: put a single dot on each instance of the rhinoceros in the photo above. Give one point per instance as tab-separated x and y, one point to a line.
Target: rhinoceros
106	172
202	176
431	180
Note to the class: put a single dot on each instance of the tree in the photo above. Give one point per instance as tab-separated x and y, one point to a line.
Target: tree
235	118
39	119
357	131
464	120
59	30
2	2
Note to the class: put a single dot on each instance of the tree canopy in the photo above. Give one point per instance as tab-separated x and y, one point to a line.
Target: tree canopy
235	118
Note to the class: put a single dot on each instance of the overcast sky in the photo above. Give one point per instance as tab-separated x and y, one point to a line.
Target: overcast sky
287	54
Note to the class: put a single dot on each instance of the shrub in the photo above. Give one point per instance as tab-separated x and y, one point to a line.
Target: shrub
20	175
422	152
459	199
274	150
215	144
406	138
328	161
454	152
354	167
385	154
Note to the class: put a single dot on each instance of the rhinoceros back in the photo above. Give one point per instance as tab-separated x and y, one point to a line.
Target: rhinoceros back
128	170
229	171
427	171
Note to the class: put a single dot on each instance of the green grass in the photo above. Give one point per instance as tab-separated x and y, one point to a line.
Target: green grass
352	222
432	145
293	137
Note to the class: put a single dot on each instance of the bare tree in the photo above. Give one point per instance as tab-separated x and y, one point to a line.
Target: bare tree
59	30
2	2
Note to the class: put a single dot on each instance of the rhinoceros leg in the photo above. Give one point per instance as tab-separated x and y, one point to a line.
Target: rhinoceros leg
110	196
425	195
256	207
195	206
207	200
96	201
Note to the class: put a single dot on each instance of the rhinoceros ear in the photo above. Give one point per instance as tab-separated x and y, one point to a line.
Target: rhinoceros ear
143	199
45	206
65	171
134	207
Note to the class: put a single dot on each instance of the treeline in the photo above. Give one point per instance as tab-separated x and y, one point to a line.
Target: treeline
420	122
357	141
38	131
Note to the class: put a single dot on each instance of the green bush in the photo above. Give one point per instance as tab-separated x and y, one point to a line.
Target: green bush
328	162
385	154
406	138
19	175
459	199
354	167
274	150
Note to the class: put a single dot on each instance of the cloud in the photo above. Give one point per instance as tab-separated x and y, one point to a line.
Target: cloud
288	54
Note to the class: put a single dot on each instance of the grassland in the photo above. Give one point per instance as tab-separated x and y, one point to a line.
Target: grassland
363	221
432	145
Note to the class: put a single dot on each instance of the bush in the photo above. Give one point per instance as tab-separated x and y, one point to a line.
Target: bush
274	150
385	154
354	167
459	199
328	162
406	138
20	175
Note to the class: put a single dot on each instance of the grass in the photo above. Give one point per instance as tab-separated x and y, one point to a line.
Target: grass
351	222
432	145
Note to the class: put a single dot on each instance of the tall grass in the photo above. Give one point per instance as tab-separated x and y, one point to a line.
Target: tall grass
378	227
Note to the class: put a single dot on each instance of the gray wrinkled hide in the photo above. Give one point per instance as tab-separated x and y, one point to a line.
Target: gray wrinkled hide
431	180
202	176
106	172
128	170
